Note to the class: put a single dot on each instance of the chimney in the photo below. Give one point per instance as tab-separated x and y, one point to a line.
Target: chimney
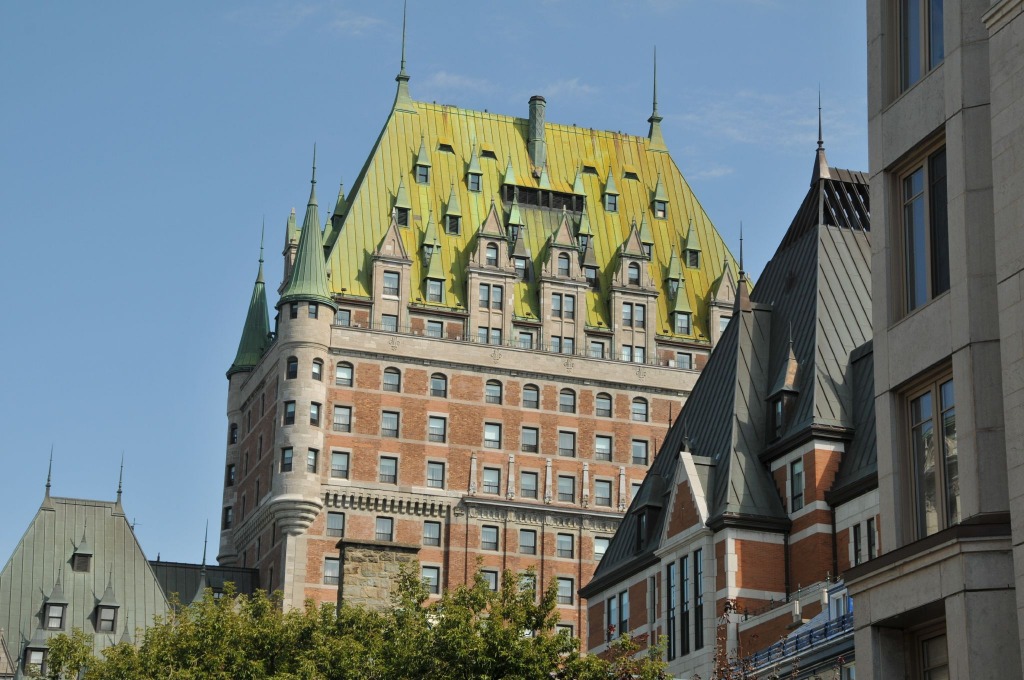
535	138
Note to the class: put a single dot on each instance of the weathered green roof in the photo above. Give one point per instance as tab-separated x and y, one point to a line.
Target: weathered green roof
645	230
402	198
434	269
675	270
453	204
681	304
577	183
510	173
609	187
256	331
474	163
423	158
308	281
692	242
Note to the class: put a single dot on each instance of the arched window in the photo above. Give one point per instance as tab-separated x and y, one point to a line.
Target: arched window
603	405
318	369
563	265
531	396
343	374
392	380
634	274
640	410
439	385
492	255
291	371
567	401
492	392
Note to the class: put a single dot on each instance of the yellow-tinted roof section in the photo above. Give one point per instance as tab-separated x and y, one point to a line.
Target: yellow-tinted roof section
393	161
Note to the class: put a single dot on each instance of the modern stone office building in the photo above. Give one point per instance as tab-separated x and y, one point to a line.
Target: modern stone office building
476	358
945	109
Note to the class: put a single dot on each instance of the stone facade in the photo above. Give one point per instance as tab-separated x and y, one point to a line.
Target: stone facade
370	571
945	111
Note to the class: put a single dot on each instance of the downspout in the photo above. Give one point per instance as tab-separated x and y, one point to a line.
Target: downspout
785	543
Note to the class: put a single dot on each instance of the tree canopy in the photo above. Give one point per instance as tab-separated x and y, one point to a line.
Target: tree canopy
469	633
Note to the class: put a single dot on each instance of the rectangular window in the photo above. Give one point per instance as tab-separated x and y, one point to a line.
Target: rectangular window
925	231
314	414
343	317
639	316
627	314
342	418
660	210
332	571
497	297
384	529
388	473
488	538
683	325
389	322
391	283
435	475
934	656
611	203
474	182
485	296
602	447
603	493
933	446
528	541
437	428
856	544
492	436
566	489
671	603
481	334
431	577
431	533
612	624
525	340
289	413
339	465
389	423
286	460
336	524
796	484
422	174
402	216
684	605
490	578
684	360
343	375
623	612
106	619
920	39
566	443
556	306
698	599
435	329
311	456
600	547
495	336
596	350
565	590
565	546
313	309
872	545
569	307
293	310
639	448
392	380
55	616
229	475
528	484
453	225
639	354
531	436
492	480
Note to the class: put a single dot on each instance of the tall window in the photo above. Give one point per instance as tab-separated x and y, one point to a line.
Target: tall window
55	616
925	231
431	577
565	590
633	274
796	484
569	307
670	610
291	370
639	409
318	370
389	423
431	533
311	460
603	405
932	416
492	436
435	290
567	401
342	418
314	414
286	459
452	226
556	305
566	443
684	605
388	470
529	440
438	385
343	318
531	396
492	392
698	598
488	538
289	413
106	619
683	325
602	447
437	428
603	493
391	283
528	541
491	254
566	489
528	484
336	524
384	529
600	547
339	465
563	264
920	34
332	571
492	480
343	374
435	474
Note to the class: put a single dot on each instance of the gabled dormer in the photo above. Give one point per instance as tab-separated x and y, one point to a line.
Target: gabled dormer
491	242
434	279
340	208
544	182
474	175
453	214
659	202
391	246
55	609
422	167
611	194
514	222
584	232
402	206
430	240
577	183
646	237
782	395
563	251
107	609
591	267
81	559
522	258
508	182
632	270
681	314
691	250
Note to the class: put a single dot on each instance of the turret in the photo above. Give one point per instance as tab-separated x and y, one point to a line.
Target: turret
256	330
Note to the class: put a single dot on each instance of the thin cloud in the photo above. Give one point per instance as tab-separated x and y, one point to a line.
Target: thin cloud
447	82
353	24
569	88
714	172
281	19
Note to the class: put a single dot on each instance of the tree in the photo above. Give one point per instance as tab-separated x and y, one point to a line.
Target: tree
469	633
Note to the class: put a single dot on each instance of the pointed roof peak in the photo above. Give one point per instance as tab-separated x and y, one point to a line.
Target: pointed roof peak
657	141
820	170
120	478
49	475
256	329
263	231
339	203
403	102
423	157
312	182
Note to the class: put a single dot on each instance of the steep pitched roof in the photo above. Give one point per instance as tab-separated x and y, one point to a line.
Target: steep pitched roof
308	281
183	580
43	555
256	331
818	284
390	164
7	664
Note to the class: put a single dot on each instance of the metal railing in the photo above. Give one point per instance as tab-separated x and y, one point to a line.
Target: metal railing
803	641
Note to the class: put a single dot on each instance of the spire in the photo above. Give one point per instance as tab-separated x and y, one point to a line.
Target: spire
308	281
339	205
655	137
402	197
256	330
49	476
201	589
263	232
742	271
514	218
435	270
675	270
206	537
57	593
120	479
403	102
646	237
742	292
108	599
820	171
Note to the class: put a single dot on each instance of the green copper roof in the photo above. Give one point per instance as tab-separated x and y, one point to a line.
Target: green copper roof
692	242
339	204
474	164
682	302
659	190
584	228
513	214
308	281
645	230
609	187
510	173
544	182
577	184
430	235
256	331
453	204
423	158
434	269
675	270
402	197
291	232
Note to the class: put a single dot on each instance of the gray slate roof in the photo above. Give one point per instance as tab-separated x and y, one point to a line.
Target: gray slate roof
44	554
183	579
815	292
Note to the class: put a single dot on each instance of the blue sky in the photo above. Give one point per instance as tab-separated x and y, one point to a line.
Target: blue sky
142	144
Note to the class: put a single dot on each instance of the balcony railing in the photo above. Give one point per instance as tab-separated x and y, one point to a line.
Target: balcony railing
388	479
800	642
529	448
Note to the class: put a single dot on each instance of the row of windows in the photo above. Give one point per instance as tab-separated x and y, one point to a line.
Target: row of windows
684	604
104	617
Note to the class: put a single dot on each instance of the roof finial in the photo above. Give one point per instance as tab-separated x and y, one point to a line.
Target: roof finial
120	477
313	181
49	472
741	247
206	536
655	107
403	102
405	8
821	142
657	141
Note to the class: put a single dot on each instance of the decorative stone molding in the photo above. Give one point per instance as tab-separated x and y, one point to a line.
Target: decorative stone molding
376	501
293	513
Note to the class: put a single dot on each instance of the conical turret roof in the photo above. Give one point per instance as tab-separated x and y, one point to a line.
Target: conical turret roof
692	243
453	204
646	237
675	269
256	331
309	274
402	197
435	270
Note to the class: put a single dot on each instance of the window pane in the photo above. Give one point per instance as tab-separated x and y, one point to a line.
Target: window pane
431	533
339	465
529	440
603	493
384	529
388	470
936	46
602	447
528	484
910	42
567	443
939	236
923	446
950	451
336	524
435	475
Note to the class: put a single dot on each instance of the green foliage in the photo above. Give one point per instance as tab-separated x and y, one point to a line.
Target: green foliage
469	633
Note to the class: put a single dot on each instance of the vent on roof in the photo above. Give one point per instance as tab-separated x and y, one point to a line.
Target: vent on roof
488	153
629	174
447	148
589	169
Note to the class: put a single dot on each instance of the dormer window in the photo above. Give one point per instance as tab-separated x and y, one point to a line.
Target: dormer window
35	661
422	174
491	255
660	210
591	275
513	231
563	265
684	325
453	224
402	217
106	619
611	203
474	183
584	241
435	291
633	274
55	614
488	153
629	174
693	259
647	250
673	287
81	562
445	147
777	417
520	263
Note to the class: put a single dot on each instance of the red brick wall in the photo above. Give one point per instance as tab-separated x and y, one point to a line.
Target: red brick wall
683	512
